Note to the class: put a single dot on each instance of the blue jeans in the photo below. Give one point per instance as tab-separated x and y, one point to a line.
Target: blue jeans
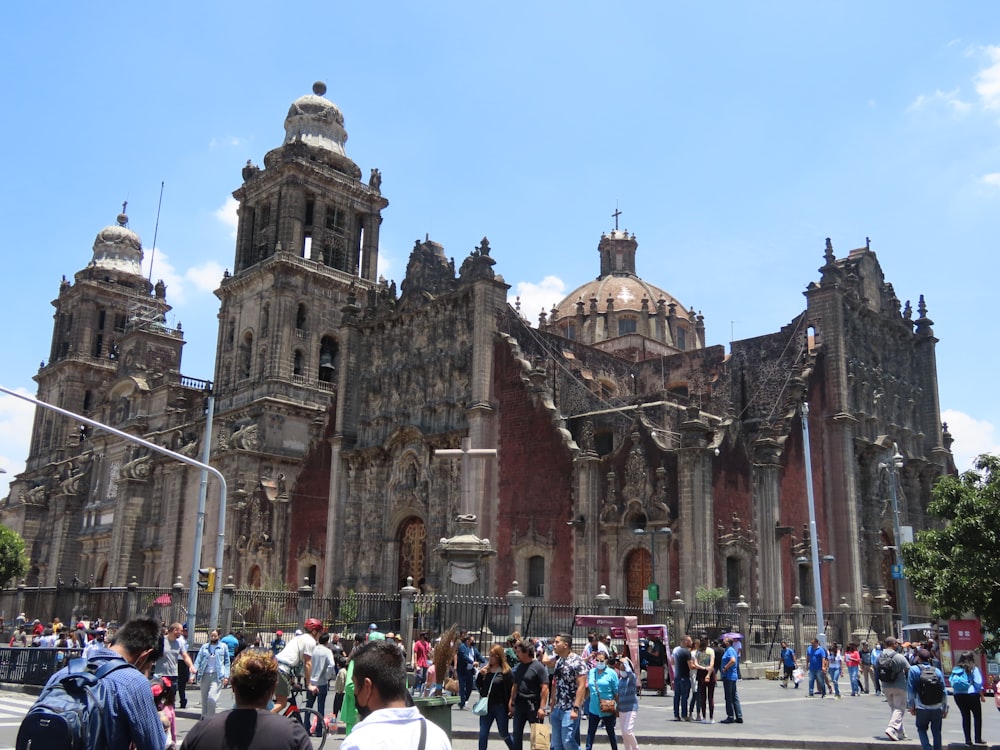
497	713
855	682
733	708
834	673
929	717
682	689
816	675
565	730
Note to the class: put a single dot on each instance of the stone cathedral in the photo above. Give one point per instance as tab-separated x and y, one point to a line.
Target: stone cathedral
334	392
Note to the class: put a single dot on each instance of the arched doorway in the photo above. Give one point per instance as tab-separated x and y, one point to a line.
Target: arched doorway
638	576
412	551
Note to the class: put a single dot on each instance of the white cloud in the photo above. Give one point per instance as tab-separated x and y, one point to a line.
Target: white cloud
992	179
206	277
227	214
947	99
163	269
228	140
972	437
988	81
537	297
16	417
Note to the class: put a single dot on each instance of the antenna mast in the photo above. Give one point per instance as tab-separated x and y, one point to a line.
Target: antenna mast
156	231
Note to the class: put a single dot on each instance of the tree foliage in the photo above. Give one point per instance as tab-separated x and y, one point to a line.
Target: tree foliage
13	560
957	568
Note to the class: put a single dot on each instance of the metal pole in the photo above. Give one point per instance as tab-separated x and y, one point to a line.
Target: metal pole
153	447
896	462
813	540
199	527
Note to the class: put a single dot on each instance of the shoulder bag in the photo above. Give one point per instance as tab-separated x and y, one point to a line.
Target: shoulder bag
482	706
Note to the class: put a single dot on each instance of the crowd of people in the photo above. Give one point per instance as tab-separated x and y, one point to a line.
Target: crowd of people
525	683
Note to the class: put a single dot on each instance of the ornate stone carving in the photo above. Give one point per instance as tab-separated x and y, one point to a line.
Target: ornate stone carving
246	438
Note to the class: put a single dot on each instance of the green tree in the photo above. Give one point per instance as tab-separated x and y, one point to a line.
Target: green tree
956	568
13	560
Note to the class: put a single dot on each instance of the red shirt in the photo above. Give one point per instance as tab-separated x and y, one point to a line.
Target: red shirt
421	649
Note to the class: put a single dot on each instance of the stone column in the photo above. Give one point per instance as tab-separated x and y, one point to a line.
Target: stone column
678	617
845	620
305	601
131	599
226	616
405	629
515	607
743	618
766	482
696	511
176	600
797	617
603	602
588	504
335	516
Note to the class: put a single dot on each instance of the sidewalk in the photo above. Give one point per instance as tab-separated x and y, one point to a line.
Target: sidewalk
774	717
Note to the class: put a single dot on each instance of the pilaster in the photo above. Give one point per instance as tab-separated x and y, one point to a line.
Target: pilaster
696	516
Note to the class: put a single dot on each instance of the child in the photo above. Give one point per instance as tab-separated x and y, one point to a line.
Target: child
164	693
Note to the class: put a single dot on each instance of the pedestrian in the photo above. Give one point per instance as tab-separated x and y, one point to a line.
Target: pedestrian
852	660
174	652
249	726
788	664
876	655
602	703
816	659
628	697
183	670
530	693
681	658
926	698
566	701
494	682
129	717
696	710
467	661
230	641
730	674
296	656
380	694
865	652
277	643
835	663
706	676
967	686
211	667
323	670
892	670
420	660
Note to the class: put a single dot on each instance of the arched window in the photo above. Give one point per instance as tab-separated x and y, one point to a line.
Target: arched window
328	350
265	319
246	356
297	363
253	577
536	576
300	317
627	325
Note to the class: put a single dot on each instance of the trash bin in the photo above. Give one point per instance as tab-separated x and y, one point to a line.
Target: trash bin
438	709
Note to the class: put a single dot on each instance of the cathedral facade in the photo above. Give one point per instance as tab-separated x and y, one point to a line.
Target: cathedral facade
612	438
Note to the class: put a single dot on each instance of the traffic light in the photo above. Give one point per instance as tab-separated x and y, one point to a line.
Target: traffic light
206	579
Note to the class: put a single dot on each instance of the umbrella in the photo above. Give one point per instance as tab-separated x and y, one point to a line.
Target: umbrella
163	600
734	636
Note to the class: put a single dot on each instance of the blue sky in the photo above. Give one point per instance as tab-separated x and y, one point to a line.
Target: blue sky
735	137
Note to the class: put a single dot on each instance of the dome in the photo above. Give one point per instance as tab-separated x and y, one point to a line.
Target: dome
627	291
316	121
117	248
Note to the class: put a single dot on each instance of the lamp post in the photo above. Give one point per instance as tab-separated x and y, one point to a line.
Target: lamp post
813	539
652	552
897	569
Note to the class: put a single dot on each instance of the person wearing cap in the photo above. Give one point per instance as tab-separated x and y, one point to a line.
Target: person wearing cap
928	715
374	634
277	643
293	657
96	643
895	690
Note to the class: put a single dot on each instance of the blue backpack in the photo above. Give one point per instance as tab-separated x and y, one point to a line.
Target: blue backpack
69	713
959	680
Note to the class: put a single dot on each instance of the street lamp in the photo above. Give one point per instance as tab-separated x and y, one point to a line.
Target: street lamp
813	538
897	568
654	589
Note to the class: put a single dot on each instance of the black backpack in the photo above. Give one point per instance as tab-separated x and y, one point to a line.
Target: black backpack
889	668
930	689
69	713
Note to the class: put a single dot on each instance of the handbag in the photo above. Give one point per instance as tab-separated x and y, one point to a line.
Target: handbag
609	706
482	706
541	736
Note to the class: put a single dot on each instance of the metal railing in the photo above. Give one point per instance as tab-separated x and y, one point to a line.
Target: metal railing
33	666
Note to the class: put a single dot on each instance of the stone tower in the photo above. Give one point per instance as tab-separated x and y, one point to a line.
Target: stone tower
307	242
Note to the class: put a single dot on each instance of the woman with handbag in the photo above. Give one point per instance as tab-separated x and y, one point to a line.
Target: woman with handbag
628	698
602	702
494	682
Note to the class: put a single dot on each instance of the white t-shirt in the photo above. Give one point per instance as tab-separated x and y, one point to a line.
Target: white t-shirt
394	728
291	655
